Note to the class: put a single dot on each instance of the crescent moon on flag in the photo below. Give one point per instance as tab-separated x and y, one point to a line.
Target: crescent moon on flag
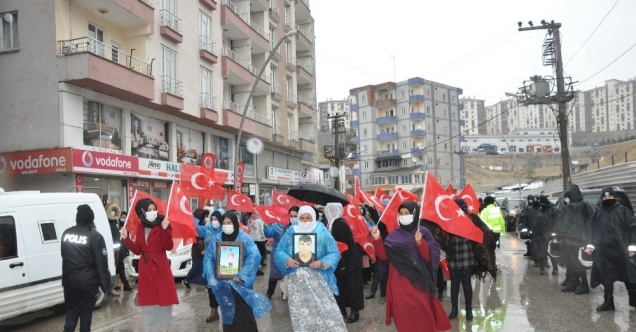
182	205
208	162
269	214
471	205
193	180
349	207
438	201
232	200
278	200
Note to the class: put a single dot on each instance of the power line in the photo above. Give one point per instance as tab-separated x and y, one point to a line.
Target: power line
352	67
620	56
592	34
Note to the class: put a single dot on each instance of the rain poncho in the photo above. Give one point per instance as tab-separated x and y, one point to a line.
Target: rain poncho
333	211
542	229
571	227
274	231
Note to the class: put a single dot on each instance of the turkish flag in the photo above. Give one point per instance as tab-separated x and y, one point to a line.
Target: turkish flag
390	214
273	214
208	161
201	182
371	199
442	210
450	190
359	228
132	219
180	215
380	194
239	202
468	194
353	199
221	177
240	170
281	199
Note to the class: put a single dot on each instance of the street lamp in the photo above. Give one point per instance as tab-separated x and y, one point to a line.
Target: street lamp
249	99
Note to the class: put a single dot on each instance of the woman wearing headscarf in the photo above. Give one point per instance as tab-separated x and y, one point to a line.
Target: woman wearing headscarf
157	291
312	305
240	304
413	257
349	270
256	226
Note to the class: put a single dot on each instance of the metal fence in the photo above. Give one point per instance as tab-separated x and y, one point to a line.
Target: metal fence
108	52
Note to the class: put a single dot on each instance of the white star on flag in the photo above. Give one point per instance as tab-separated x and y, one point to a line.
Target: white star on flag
471	208
460	213
243	200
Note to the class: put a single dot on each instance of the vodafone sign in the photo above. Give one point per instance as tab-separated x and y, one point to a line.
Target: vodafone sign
104	163
35	162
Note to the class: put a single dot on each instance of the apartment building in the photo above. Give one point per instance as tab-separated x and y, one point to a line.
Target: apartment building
606	108
474	116
404	129
498	117
125	91
332	107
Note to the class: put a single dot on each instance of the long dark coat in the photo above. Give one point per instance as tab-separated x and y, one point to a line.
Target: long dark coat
571	228
542	230
349	271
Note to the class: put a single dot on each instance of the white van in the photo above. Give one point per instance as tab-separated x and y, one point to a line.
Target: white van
180	262
31	224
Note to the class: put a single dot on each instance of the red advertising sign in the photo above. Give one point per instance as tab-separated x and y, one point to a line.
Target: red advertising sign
79	183
104	163
131	194
35	162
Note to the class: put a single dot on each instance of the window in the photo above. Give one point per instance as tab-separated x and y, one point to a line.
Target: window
364	115
326	175
443	96
402	93
206	89
10	239
402	110
366	165
403	128
404	145
115	52
364	98
96	37
405	162
416	178
8	31
364	132
47	231
205	25
364	148
428	110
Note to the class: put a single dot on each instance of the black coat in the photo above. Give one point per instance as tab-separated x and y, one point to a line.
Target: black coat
528	217
571	227
542	231
349	271
611	230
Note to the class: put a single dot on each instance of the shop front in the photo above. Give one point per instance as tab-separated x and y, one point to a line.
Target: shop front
280	179
43	170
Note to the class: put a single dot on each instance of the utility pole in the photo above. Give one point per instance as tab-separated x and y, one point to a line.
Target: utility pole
339	151
552	56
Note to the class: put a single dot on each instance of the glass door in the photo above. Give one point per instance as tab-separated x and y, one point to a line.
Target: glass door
96	40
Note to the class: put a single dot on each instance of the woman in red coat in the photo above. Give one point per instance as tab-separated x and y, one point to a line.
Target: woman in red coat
157	291
411	291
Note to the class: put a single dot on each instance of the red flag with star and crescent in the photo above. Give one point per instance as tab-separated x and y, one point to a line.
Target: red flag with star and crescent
371	199
208	161
439	207
353	199
239	202
133	222
273	214
197	181
390	214
469	196
380	194
359	228
281	199
450	190
180	215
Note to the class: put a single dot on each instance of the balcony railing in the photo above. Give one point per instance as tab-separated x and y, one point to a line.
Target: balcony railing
171	85
389	153
386	119
307	34
289	24
293	135
306	101
290	62
259	30
308	136
306	2
355	123
242	62
245	17
108	52
205	43
275	89
417	116
387	136
208	101
170	20
291	97
238	109
418	133
306	66
274	11
277	129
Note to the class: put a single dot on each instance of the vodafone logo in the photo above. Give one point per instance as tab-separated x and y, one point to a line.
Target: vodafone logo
87	158
99	162
3	165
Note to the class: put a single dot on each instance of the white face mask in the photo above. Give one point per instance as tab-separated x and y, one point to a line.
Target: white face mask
151	215
567	200
228	229
293	220
215	223
305	227
406	219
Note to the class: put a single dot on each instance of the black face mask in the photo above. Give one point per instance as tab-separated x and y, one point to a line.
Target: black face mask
535	204
609	202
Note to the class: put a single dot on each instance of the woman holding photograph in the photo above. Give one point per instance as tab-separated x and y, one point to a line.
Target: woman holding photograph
312	305
240	304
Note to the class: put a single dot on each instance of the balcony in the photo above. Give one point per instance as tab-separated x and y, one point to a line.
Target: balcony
385	103
235	23
238	71
96	66
417	116
290	63
276	95
462	138
460	107
171	93
208	107
293	139
274	12
207	49
260	39
386	119
356	171
305	72
462	122
307	145
416	98
254	124
308	136
170	26
277	134
354	107
388	153
304	39
355	123
211	4
415	81
302	10
289	24
418	133
291	99
258	5
276	57
306	106
123	13
356	139
392	136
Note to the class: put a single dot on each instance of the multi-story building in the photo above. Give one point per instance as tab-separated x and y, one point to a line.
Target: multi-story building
497	116
531	116
330	108
124	91
610	107
405	128
518	140
474	116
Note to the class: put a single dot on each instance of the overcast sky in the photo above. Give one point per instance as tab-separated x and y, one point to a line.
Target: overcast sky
470	44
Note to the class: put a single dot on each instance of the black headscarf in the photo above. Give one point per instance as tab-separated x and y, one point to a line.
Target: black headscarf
141	207
234	218
415	211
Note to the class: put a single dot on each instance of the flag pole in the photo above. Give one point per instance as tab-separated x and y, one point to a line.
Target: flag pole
133	208
169	198
419	218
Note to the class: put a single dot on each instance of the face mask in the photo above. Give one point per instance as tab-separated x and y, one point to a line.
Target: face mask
361	211
566	200
405	220
609	202
228	229
293	219
122	220
215	223
207	220
151	215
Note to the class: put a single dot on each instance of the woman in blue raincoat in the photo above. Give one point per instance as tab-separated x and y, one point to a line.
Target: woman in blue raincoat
312	305
274	231
240	304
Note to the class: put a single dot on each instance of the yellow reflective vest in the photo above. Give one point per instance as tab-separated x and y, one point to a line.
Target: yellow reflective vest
494	218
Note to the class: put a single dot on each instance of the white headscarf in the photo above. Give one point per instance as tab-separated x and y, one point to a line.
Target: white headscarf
300	228
333	211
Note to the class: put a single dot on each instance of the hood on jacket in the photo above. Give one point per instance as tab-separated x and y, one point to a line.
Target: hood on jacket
574	193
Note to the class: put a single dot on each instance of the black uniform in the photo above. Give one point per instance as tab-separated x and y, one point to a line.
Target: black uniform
84	270
541	234
527	220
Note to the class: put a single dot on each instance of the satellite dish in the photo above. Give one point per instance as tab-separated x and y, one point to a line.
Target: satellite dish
419	127
419	145
414	159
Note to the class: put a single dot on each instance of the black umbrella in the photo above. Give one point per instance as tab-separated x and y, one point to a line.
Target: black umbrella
317	193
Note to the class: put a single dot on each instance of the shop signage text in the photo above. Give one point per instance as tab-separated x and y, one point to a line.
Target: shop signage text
158	169
104	163
35	162
282	174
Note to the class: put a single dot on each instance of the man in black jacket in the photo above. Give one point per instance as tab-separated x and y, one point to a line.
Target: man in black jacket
528	216
84	269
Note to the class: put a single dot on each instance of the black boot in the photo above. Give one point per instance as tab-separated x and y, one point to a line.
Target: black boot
571	286
583	288
343	311
127	287
469	313
271	288
453	313
608	305
355	316
631	291
440	296
566	282
374	287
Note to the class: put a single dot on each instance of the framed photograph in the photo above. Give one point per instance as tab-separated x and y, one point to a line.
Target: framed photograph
229	259
304	248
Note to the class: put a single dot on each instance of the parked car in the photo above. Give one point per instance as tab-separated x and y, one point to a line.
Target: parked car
512	208
180	262
593	196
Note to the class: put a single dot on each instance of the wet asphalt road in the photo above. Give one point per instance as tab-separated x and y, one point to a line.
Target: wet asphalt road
519	300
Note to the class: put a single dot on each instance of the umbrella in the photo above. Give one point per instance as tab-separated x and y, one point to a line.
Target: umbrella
317	193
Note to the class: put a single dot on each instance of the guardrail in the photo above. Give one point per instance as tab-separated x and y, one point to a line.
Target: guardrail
171	85
170	20
206	43
108	52
238	109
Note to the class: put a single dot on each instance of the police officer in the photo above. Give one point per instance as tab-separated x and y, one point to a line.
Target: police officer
492	215
84	269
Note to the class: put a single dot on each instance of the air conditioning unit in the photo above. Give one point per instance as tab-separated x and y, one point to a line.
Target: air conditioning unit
69	48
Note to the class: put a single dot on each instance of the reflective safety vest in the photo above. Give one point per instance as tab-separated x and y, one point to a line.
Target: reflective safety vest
494	218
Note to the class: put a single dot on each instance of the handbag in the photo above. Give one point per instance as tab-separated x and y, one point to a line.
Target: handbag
585	259
525	234
554	249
